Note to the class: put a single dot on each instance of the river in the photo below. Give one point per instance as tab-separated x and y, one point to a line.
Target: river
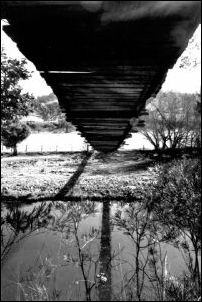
74	251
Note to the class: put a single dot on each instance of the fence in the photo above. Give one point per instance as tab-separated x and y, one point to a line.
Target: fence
43	148
70	142
54	149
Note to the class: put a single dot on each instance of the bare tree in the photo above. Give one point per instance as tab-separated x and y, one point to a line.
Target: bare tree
173	121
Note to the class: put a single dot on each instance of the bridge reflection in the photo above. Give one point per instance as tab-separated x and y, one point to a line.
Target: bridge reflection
105	255
89	254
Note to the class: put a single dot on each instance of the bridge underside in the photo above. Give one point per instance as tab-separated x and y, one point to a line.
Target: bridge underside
103	59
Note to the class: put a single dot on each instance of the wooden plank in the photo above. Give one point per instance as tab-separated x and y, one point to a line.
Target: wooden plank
102	120
126	68
106	100
122	85
104	143
104	128
99	114
102	108
104	134
98	103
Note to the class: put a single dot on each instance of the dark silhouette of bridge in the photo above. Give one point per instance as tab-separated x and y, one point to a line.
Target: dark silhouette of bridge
103	59
73	179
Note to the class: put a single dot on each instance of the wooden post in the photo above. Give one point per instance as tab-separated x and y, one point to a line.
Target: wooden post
26	149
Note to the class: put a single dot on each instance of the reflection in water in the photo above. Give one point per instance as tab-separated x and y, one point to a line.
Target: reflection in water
105	255
85	255
17	225
70	228
66	252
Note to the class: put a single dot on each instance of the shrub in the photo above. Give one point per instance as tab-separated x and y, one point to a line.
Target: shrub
50	126
13	134
177	207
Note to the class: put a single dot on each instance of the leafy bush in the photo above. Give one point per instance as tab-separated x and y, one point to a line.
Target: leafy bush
167	211
181	289
177	207
13	134
177	194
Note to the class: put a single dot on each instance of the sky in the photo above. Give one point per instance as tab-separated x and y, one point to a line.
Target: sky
178	79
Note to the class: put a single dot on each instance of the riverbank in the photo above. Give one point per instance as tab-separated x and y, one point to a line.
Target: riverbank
61	245
74	175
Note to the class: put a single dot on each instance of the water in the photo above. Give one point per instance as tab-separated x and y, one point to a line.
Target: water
70	251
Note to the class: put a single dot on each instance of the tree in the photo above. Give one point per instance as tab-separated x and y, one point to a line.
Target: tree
173	121
172	129
48	108
197	116
13	134
147	273
191	57
14	103
176	205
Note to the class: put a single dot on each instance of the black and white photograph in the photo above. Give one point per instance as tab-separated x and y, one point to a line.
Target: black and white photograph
100	150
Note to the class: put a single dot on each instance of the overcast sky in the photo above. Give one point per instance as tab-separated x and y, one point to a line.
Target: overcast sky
178	79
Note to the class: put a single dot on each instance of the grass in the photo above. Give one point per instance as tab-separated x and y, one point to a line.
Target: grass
119	175
38	177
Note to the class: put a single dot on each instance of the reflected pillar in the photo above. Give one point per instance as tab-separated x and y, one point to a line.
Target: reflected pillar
105	255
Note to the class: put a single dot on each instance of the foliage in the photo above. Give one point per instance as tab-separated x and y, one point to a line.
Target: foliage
14	103
13	134
137	222
178	185
177	207
38	281
21	223
191	57
174	121
182	289
47	107
169	211
51	126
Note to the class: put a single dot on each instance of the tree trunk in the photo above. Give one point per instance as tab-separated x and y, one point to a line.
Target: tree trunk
15	152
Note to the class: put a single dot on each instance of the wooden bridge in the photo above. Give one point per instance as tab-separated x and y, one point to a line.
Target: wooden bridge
103	59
